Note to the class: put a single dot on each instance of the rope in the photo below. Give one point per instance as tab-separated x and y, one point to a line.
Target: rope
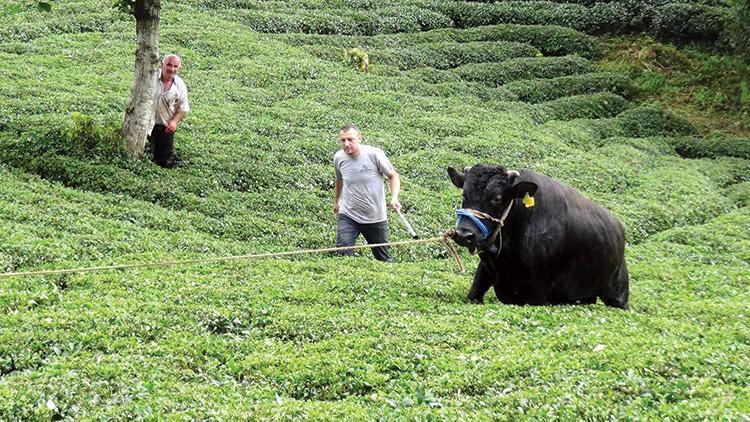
445	239
499	222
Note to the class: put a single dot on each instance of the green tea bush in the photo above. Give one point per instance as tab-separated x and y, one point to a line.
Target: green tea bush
80	136
648	120
674	183
67	18
540	90
642	121
740	194
689	22
592	106
451	55
433	76
551	40
686	21
437	55
601	17
343	22
523	68
711	147
738	30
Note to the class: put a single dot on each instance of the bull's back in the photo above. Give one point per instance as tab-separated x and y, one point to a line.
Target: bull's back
576	246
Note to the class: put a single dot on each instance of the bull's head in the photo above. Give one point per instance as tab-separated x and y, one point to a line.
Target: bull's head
489	192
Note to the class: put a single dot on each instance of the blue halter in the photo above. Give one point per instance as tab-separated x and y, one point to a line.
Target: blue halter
462	212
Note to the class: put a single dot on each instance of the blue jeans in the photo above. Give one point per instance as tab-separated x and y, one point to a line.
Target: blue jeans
347	231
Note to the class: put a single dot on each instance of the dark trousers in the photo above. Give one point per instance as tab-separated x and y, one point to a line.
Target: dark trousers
347	231
162	146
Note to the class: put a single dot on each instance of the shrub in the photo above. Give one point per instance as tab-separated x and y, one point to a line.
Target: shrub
466	14
451	55
426	19
649	120
523	68
712	147
592	106
601	17
68	18
80	136
433	76
343	21
540	90
739	30
650	207
689	22
551	40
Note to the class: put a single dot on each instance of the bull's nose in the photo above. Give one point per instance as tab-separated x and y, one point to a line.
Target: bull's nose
463	236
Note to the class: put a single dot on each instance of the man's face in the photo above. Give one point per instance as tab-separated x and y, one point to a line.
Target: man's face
170	67
350	141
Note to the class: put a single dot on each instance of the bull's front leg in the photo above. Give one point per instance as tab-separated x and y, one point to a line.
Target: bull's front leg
483	280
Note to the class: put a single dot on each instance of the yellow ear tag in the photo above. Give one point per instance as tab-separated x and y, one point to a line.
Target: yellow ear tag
528	200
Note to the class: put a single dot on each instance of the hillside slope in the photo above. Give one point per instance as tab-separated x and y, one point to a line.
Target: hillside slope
452	83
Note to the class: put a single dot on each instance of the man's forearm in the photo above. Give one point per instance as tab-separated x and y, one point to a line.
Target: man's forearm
395	183
178	117
339	184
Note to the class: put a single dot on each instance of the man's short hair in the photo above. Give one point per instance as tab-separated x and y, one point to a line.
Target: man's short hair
350	126
172	55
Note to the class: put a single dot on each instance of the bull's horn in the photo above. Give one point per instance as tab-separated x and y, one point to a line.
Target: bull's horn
513	173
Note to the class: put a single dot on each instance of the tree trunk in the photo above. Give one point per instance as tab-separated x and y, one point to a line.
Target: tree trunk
139	113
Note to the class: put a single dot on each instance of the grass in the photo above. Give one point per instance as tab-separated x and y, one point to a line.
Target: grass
318	337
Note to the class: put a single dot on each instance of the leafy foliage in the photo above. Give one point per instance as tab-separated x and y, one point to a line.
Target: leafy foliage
320	337
739	30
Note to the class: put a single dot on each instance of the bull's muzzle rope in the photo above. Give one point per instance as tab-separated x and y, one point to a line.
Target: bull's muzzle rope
445	239
477	216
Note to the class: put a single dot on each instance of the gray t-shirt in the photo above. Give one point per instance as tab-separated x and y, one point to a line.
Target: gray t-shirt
363	193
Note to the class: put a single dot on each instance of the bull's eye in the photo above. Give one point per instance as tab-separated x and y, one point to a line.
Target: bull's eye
496	201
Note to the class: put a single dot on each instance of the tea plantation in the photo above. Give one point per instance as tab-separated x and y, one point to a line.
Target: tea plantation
525	84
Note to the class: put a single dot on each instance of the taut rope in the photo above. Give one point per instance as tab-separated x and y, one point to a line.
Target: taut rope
445	239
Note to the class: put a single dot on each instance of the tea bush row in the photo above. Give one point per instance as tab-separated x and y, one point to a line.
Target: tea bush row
437	55
712	147
678	21
492	74
451	55
592	106
551	40
343	22
690	22
678	183
540	90
193	194
79	135
68	18
602	17
642	121
496	74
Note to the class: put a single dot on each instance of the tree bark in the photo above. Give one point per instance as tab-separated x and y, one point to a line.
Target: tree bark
139	113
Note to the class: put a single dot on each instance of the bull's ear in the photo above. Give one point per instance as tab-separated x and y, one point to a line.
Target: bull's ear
522	188
457	178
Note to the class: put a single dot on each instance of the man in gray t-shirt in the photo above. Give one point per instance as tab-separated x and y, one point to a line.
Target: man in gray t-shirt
359	201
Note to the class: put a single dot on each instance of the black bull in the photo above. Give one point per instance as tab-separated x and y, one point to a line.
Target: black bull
554	246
